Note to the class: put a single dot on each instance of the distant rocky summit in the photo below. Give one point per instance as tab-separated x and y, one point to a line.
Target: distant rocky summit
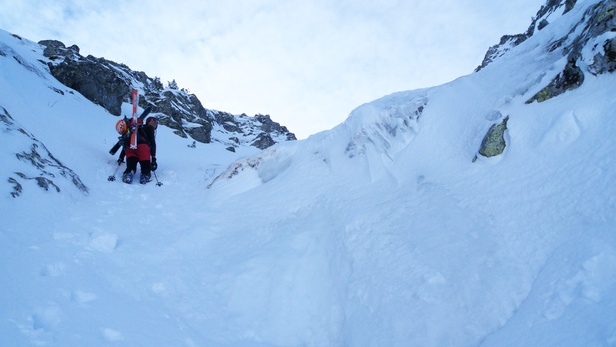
109	84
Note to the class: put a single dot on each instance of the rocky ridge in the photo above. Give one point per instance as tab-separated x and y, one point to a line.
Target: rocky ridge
589	48
109	84
36	163
598	20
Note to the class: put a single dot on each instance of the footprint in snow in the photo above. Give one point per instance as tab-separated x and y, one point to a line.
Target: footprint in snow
82	297
47	318
105	243
53	270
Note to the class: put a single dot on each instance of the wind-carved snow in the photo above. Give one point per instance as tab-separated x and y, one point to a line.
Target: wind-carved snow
386	125
379	129
251	172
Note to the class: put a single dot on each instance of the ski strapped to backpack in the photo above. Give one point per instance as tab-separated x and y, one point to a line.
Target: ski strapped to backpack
121	138
122	128
133	135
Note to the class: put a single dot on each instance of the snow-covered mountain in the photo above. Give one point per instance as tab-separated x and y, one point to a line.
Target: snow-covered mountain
477	213
109	84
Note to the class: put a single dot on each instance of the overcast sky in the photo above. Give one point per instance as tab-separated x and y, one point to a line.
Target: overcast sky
306	63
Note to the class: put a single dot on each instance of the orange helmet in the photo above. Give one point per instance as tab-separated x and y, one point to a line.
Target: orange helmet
121	127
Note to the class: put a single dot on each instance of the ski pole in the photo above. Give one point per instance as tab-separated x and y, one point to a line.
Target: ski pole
157	182
112	177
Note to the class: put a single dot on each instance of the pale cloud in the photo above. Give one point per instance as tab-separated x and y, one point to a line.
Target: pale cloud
306	63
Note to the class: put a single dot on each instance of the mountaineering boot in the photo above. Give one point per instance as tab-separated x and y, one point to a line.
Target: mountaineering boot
127	178
145	179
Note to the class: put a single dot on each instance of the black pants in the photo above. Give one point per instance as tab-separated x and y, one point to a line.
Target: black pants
131	165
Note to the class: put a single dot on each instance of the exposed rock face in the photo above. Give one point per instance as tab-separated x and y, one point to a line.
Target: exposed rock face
37	164
94	81
505	44
184	113
509	41
263	141
597	20
571	78
605	62
93	78
609	60
259	131
109	84
57	50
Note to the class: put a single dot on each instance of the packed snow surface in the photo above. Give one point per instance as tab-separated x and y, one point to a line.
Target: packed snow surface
380	232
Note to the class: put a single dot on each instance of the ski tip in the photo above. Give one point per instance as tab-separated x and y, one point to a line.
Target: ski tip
146	112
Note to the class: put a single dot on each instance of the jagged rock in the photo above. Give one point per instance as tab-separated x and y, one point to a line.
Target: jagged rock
609	63
42	182
509	41
228	122
266	123
506	42
602	18
184	112
47	164
17	187
605	19
91	77
494	143
569	4
598	19
263	141
269	126
55	49
571	78
94	81
252	129
40	165
201	134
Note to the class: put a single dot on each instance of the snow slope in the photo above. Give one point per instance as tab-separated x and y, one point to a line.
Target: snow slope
380	232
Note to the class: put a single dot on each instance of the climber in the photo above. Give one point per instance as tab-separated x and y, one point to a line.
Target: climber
145	154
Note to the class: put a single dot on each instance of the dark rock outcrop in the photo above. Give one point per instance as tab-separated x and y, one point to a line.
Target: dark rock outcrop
494	143
263	141
109	85
95	82
569	79
539	22
597	20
